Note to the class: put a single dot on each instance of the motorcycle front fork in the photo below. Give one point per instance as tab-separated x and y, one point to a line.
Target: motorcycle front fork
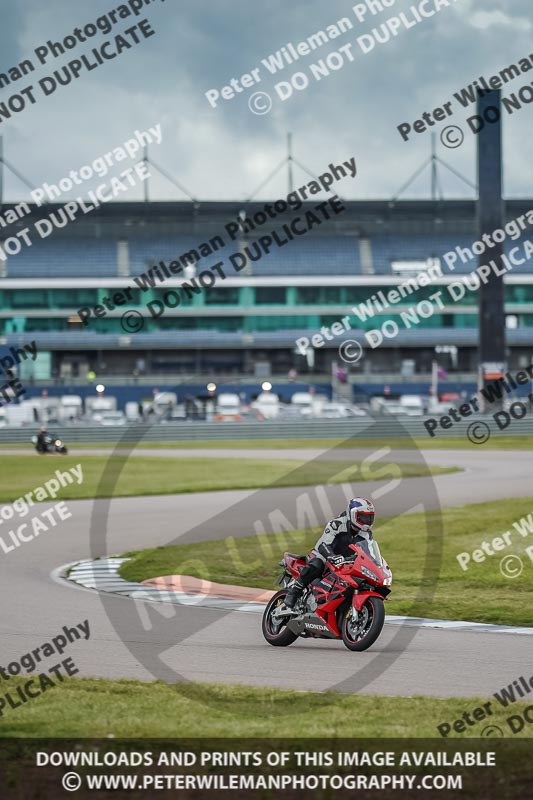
284	579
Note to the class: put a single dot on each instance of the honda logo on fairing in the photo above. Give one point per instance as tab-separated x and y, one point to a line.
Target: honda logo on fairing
315	627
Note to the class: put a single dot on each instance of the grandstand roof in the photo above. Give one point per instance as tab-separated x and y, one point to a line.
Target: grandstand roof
361	217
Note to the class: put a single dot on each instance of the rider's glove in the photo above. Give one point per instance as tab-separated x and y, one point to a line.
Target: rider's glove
336	560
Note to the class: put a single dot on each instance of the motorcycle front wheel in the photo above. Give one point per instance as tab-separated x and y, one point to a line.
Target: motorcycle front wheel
362	634
275	632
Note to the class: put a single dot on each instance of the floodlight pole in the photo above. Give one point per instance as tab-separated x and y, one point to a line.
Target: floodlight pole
490	216
146	162
289	162
433	168
1	171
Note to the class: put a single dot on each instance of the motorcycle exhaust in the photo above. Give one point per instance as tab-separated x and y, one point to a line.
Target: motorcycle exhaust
311	625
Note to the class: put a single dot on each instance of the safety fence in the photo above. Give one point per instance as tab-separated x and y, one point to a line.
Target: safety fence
364	427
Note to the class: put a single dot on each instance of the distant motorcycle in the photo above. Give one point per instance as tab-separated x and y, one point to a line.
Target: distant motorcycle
346	603
52	445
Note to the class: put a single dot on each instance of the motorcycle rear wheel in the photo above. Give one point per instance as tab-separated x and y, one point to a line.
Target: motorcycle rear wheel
369	627
276	634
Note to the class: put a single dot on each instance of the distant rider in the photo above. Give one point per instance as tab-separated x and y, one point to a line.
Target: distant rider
350	527
41	440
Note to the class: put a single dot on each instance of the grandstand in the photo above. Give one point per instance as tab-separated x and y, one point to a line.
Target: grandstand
256	315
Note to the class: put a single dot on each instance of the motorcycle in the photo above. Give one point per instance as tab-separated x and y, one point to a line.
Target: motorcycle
346	603
52	445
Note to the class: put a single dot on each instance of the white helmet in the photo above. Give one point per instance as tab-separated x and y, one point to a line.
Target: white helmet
361	513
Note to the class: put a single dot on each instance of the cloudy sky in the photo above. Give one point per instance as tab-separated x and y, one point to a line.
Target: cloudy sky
226	152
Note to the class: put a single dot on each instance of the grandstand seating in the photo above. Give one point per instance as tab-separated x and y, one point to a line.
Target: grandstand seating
65	258
312	255
318	255
334	255
387	248
508	246
310	283
145	251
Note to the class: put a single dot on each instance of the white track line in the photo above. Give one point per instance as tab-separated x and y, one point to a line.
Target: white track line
102	575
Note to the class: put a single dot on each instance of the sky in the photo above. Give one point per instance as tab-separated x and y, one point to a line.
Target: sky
225	153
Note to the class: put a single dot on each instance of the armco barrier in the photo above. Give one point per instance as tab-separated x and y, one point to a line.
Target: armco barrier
305	429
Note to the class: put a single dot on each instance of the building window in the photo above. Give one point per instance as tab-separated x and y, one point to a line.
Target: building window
270	295
222	297
318	295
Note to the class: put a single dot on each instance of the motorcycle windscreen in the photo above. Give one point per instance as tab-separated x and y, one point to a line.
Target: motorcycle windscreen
371	549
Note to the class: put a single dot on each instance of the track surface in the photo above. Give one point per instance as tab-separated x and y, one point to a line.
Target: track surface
219	647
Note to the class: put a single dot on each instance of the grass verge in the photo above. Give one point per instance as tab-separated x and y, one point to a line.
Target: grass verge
496	442
479	594
145	476
133	709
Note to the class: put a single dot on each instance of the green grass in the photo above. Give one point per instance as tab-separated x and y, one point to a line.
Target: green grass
482	594
133	709
496	442
126	477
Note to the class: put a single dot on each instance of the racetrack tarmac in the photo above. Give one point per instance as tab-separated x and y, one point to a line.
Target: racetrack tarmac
204	644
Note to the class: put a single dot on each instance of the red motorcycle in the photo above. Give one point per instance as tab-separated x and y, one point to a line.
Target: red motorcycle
346	603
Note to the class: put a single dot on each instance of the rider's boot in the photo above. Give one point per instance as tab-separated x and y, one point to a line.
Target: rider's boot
293	594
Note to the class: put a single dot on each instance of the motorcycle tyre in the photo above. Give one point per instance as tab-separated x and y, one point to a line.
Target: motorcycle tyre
376	626
285	637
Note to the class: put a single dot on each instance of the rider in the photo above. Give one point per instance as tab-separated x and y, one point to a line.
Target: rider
348	528
41	439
